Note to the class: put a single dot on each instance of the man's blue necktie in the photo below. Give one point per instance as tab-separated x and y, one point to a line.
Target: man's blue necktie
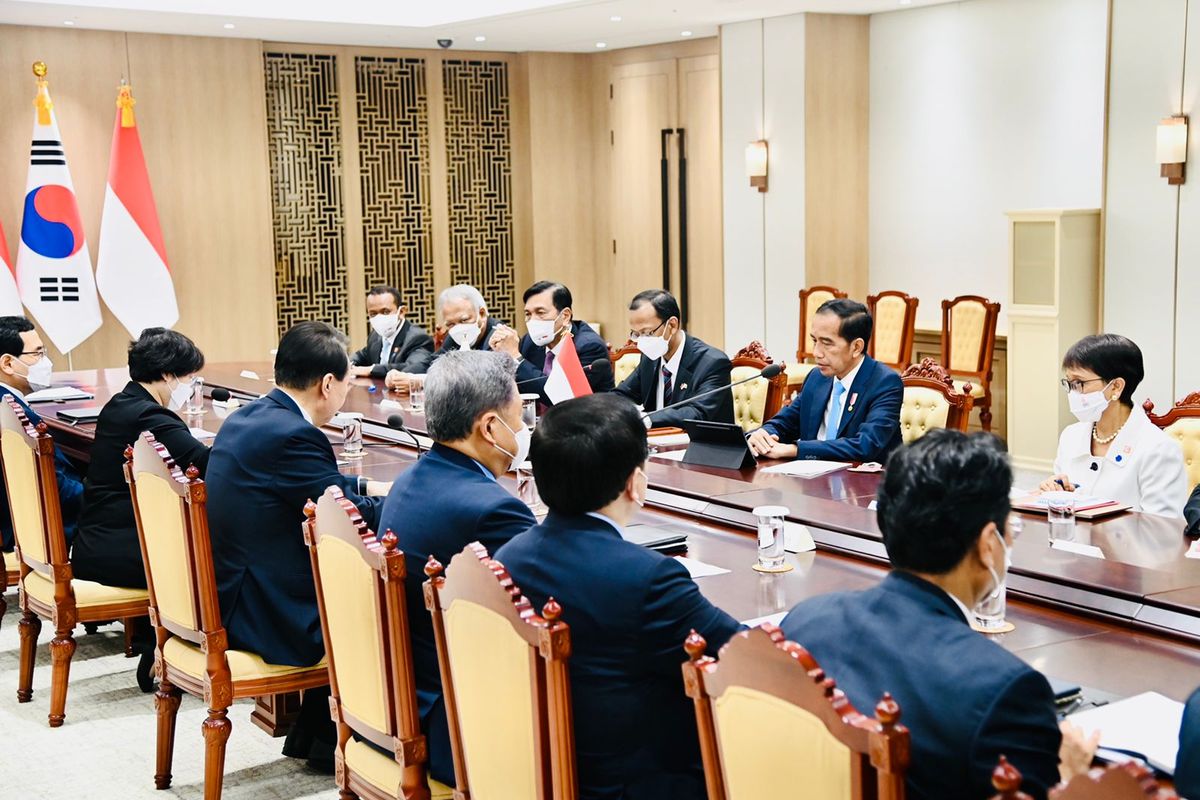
834	419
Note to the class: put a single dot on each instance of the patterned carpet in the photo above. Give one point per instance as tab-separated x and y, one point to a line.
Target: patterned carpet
106	747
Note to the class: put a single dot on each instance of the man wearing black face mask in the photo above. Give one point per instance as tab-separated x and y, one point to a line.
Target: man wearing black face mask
451	498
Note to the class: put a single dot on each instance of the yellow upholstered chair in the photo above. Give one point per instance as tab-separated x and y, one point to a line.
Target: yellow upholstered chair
1182	423
504	676
624	361
769	717
968	344
364	619
755	401
47	589
1128	781
931	400
192	652
894	315
810	300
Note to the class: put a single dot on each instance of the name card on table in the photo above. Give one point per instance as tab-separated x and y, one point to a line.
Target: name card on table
1079	549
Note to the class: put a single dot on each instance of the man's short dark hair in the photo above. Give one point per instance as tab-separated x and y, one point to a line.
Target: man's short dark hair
308	352
392	290
11	329
1110	356
584	450
856	322
938	495
561	296
160	352
665	304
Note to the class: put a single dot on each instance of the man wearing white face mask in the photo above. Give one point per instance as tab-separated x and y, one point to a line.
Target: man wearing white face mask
549	320
394	343
943	512
451	498
468	327
24	368
1115	452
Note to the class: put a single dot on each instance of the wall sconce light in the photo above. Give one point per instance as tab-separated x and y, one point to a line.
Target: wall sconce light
756	164
1172	148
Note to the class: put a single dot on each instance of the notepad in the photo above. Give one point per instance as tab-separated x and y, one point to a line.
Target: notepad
805	469
57	393
1146	724
698	569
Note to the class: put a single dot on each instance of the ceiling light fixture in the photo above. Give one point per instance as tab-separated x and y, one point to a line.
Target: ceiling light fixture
601	45
906	2
614	18
229	26
68	22
481	38
685	33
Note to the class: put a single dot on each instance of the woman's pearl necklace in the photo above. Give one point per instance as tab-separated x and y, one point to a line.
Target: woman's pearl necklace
1106	439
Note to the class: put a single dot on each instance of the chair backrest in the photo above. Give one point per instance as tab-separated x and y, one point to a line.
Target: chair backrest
1182	423
1128	781
969	335
504	677
756	401
169	507
931	401
27	454
364	619
624	361
769	717
894	315
810	300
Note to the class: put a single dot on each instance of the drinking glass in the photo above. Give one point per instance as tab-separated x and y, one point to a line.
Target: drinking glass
352	442
771	553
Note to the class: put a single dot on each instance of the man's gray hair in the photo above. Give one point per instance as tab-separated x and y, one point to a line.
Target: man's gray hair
462	291
461	386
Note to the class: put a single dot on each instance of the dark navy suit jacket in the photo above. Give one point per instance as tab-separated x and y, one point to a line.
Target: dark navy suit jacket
701	368
70	488
266	462
1191	512
965	699
412	351
870	425
588	345
438	507
629	609
1187	764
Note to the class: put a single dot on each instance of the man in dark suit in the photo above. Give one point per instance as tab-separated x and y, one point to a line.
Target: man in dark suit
1191	513
267	461
24	368
674	366
1187	763
450	498
629	608
849	408
394	343
549	320
469	326
943	512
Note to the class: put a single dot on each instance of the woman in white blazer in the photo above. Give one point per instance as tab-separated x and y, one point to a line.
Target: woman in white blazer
1114	452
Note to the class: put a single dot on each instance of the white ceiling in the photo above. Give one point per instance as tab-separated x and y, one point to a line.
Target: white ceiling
507	25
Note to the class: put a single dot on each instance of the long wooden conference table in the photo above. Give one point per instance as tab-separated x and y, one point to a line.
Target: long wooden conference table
1122	624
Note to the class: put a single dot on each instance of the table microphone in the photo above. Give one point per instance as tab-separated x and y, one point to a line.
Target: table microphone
229	403
396	423
768	372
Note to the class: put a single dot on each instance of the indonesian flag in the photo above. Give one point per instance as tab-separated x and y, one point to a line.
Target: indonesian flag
131	267
10	298
54	269
566	379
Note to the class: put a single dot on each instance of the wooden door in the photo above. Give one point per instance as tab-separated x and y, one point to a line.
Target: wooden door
700	118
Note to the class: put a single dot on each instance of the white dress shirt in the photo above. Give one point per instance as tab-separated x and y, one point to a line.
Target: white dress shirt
385	351
673	366
846	382
609	520
1143	466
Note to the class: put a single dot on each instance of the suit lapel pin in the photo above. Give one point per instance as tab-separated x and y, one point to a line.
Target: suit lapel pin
853	399
682	387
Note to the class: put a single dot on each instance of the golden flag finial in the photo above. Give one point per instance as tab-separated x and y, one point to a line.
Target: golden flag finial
125	102
39	69
42	101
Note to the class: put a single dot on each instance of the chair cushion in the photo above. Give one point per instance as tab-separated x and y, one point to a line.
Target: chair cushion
625	366
796	373
243	666
749	399
976	387
384	773
921	411
1186	432
87	593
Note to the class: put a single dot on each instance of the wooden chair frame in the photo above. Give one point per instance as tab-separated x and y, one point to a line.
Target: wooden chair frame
802	350
907	335
931	375
762	659
479	579
335	516
218	688
63	611
755	355
983	373
1187	407
1128	781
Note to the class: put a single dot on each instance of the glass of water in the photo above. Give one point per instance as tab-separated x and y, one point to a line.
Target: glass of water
1060	510
529	404
989	612
195	401
771	552
352	441
416	396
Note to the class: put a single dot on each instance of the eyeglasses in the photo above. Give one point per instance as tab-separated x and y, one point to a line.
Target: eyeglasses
635	335
40	352
1077	386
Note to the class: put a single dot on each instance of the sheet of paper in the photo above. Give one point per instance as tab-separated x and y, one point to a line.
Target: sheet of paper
873	505
1146	723
57	393
774	619
201	434
1078	548
805	469
670	455
698	569
797	538
251	374
669	440
1082	501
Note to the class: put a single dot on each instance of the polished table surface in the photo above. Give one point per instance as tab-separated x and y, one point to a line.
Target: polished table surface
1127	623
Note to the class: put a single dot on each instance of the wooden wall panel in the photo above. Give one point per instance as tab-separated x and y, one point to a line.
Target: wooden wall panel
700	116
836	108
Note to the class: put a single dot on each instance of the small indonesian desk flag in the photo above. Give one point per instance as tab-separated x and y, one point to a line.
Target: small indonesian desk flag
566	379
54	269
131	266
10	298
